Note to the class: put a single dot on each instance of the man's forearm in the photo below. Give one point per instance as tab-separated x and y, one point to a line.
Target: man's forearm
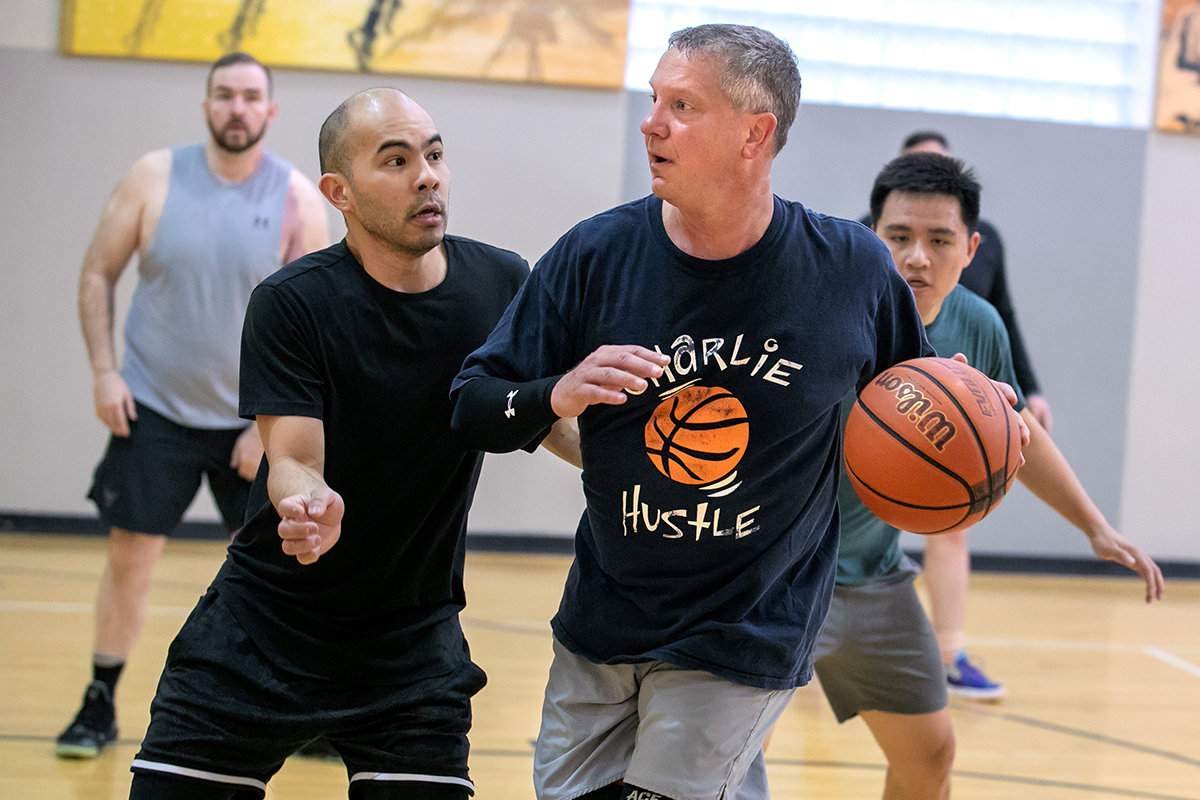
563	441
295	450
288	478
96	298
1049	476
499	416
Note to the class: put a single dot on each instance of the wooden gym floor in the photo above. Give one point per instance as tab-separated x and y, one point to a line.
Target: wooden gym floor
1104	692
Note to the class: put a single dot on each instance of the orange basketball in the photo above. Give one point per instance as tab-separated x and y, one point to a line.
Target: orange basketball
932	446
698	435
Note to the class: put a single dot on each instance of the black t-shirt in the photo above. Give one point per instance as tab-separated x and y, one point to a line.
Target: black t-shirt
323	339
987	278
710	536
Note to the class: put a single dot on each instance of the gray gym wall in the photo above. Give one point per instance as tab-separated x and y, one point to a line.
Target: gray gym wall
1098	224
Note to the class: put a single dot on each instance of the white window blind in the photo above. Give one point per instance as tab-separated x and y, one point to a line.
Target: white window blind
1083	61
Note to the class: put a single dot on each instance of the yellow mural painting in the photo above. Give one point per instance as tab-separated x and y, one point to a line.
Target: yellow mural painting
575	42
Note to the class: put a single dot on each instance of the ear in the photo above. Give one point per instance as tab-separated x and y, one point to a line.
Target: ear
761	135
272	110
337	191
972	246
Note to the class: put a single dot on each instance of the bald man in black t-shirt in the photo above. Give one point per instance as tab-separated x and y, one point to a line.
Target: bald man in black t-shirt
336	612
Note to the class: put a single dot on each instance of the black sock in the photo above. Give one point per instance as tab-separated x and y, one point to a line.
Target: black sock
107	674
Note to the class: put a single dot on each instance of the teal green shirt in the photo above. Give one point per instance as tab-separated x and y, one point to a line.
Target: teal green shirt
870	548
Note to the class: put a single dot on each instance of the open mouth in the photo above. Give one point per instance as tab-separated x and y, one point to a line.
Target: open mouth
430	212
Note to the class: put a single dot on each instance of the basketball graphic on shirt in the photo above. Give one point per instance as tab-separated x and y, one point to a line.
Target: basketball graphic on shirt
698	435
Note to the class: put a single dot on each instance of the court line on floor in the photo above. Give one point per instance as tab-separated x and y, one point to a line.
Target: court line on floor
529	628
29	738
1033	722
62	607
94	577
1173	660
42	738
1112	791
1157	653
55	607
540	629
1081	645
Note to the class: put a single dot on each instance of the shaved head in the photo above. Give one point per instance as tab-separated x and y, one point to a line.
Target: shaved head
383	167
333	146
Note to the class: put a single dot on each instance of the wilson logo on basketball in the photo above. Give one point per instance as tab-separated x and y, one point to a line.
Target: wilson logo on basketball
698	435
918	408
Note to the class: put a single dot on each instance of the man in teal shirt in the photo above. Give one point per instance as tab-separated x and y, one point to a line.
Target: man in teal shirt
877	656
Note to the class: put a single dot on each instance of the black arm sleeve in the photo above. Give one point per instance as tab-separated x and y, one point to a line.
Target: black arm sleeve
499	416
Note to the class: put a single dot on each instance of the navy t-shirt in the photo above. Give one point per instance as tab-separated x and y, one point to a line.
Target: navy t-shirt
710	535
323	339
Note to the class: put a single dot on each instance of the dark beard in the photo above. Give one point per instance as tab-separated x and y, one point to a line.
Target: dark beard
222	142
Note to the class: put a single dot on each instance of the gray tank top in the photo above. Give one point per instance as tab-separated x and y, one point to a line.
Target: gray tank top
214	242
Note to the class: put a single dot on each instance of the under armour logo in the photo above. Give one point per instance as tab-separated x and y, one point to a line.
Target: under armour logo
511	412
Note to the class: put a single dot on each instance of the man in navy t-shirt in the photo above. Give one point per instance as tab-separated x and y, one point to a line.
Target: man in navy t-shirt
704	337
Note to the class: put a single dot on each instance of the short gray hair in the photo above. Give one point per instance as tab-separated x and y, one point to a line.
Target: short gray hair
760	75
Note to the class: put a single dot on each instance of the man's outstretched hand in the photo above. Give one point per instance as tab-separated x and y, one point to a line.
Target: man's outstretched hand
310	524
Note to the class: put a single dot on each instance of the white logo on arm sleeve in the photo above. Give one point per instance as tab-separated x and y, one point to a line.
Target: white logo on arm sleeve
511	412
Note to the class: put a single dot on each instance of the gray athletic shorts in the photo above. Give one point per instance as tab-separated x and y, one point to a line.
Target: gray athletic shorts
683	733
877	651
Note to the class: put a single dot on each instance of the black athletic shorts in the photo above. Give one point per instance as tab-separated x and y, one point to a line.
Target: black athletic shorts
224	718
147	480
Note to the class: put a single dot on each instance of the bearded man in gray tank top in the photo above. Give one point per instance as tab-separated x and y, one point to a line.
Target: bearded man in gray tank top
207	223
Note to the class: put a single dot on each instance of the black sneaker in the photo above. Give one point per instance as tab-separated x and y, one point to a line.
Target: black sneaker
94	726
